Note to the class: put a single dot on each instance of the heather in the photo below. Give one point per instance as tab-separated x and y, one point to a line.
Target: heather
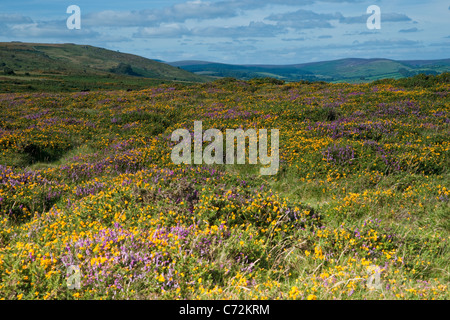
86	179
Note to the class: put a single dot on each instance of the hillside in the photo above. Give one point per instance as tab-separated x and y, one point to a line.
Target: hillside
348	70
31	62
357	207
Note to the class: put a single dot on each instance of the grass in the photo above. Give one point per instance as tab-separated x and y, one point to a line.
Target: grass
86	179
70	67
52	83
336	71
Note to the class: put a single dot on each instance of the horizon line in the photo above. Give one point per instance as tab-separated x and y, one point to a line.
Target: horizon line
217	62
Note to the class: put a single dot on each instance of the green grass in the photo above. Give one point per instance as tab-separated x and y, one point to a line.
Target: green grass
86	179
69	66
344	70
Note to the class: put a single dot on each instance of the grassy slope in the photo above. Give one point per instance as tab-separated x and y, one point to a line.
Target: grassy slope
81	197
53	63
349	70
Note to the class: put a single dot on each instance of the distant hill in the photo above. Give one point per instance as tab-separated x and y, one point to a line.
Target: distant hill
348	70
72	67
71	59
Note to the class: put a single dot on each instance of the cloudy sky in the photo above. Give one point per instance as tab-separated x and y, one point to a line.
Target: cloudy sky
238	31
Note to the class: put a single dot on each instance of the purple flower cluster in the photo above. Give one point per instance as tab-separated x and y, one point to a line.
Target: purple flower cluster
128	161
35	116
387	158
339	154
12	179
398	108
117	257
91	189
351	127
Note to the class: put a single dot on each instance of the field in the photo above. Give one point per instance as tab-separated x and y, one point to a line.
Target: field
342	70
38	67
86	180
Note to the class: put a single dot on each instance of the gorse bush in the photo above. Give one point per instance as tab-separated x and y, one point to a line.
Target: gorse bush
86	180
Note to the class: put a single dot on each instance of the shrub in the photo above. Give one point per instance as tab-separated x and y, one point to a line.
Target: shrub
8	71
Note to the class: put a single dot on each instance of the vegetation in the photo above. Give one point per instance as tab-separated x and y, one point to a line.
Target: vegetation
123	68
69	67
86	179
344	70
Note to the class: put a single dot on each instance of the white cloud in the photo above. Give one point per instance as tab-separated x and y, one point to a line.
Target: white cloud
14	19
165	31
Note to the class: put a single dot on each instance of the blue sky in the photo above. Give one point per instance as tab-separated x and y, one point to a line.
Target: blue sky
239	31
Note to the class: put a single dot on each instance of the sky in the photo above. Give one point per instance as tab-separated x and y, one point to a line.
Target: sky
238	31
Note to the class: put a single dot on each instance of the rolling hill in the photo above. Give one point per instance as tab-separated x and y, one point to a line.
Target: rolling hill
76	66
348	70
72	67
